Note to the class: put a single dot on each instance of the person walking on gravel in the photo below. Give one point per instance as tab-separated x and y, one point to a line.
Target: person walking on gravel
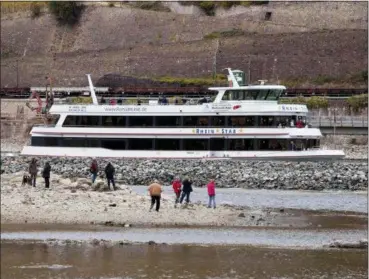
155	191
177	190
46	174
109	173
33	171
94	170
186	190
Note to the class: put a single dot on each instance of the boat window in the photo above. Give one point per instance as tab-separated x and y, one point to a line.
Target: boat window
73	142
218	121
217	144
38	141
266	121
251	94
195	121
71	121
140	144
241	121
114	121
274	94
167	144
141	121
195	144
168	121
241	144
114	144
262	93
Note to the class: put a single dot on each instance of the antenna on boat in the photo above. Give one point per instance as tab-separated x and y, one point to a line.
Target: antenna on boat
92	90
232	77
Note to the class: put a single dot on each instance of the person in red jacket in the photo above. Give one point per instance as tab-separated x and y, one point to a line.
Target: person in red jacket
177	189
211	193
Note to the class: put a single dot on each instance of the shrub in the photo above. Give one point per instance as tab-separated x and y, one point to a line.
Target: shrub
66	12
81	100
35	10
311	103
358	102
208	7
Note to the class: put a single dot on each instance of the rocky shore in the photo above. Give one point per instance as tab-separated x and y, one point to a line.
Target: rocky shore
323	175
77	201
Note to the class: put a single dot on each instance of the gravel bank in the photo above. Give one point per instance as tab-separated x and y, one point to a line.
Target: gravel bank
76	202
324	175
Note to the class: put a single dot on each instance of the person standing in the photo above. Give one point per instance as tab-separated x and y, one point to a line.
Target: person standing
33	171
94	170
177	190
46	174
109	173
186	190
211	193
155	191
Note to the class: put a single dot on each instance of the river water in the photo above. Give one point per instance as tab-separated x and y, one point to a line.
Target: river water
37	260
307	200
55	251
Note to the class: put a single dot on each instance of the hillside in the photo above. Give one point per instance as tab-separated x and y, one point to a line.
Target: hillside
301	42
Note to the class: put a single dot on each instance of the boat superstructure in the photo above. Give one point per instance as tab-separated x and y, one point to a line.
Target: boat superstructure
243	122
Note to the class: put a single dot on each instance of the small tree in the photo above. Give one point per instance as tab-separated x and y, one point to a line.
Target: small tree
35	10
66	12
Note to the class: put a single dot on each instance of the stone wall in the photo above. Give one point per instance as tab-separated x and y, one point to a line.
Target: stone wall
308	54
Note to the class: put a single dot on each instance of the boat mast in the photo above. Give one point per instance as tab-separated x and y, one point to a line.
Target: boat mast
92	90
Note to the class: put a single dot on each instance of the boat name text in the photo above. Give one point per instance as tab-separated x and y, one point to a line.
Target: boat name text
216	131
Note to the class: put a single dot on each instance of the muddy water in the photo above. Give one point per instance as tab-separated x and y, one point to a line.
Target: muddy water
308	200
176	261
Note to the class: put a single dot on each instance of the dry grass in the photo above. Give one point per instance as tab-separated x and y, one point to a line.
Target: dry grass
14	7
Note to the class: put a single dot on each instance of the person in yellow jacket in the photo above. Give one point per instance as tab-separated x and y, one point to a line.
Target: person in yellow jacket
155	191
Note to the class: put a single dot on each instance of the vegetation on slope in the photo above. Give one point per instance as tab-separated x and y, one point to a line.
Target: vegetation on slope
224	34
209	7
67	12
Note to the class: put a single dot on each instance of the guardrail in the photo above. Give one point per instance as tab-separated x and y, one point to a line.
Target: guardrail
339	121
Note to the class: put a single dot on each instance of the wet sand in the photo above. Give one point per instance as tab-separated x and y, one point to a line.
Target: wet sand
288	238
177	261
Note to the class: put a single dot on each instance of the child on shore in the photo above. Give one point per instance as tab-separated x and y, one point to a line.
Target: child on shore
211	193
177	190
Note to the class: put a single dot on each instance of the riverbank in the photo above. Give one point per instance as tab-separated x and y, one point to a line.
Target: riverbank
322	175
80	202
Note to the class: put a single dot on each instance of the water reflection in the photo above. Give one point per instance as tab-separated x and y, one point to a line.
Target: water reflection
180	261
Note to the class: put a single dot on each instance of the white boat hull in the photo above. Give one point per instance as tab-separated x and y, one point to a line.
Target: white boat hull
321	154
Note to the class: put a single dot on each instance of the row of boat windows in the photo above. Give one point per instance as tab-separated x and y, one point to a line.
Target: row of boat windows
182	121
178	144
260	94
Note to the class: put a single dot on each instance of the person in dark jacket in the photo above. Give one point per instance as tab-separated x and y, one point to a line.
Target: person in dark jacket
46	174
109	172
186	190
94	170
33	171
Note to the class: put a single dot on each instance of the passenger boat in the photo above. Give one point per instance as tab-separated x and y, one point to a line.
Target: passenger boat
242	122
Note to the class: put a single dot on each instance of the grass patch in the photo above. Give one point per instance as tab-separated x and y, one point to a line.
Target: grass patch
225	34
66	13
205	81
151	6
